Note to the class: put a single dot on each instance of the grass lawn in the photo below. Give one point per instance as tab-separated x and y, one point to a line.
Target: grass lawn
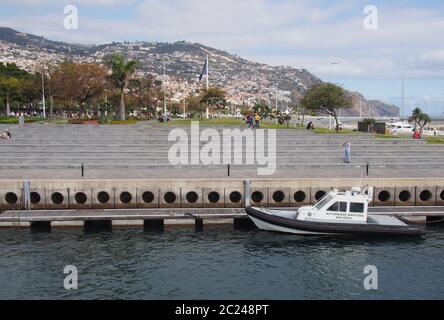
328	131
389	136
39	120
221	122
435	140
15	120
430	140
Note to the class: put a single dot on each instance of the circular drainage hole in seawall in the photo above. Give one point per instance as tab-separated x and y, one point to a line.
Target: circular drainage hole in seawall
426	195
405	196
57	198
235	197
213	197
148	197
81	198
278	196
384	196
319	195
126	197
299	196
103	197
35	198
257	196
192	197
11	198
170	197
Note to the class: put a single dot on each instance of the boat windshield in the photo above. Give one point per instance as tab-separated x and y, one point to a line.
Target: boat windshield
323	202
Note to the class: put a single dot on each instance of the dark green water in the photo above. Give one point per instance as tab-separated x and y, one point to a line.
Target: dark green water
219	263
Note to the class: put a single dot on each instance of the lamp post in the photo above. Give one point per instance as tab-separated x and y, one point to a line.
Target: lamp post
43	96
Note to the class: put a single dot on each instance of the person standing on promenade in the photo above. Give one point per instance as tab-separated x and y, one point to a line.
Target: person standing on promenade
258	121
251	121
417	135
347	151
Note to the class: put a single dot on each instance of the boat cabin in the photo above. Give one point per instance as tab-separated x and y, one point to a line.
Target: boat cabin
337	206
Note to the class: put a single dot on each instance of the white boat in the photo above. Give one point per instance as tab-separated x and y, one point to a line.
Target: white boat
338	213
401	128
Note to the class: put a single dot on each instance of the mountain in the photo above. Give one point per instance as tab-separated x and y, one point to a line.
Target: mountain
245	81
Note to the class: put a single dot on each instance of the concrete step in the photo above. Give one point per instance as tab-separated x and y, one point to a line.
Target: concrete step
162	160
165	153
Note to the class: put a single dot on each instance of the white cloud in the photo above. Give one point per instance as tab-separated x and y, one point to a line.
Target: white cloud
74	2
297	33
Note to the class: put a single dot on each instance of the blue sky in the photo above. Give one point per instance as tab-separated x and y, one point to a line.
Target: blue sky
408	43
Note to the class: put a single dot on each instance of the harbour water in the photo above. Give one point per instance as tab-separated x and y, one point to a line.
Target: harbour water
218	263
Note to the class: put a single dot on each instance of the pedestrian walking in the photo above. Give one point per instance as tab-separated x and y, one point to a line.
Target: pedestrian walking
347	152
251	121
258	119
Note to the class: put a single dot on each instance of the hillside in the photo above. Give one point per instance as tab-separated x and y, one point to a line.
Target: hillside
245	81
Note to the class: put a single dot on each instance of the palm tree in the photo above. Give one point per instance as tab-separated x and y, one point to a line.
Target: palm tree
420	118
121	72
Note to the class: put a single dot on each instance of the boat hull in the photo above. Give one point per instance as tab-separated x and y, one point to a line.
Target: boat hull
274	223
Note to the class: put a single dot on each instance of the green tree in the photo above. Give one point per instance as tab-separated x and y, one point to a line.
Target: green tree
194	105
11	70
23	87
121	73
369	123
9	86
283	118
81	82
263	109
214	97
327	99
420	118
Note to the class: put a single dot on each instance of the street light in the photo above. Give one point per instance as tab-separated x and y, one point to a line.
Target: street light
332	64
43	97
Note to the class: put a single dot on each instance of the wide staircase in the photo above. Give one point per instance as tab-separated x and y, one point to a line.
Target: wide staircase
146	146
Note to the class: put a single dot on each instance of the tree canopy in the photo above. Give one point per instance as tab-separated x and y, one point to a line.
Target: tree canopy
81	82
263	109
420	118
214	97
16	85
121	73
327	99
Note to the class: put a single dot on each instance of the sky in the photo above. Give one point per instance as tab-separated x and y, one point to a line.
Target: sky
372	55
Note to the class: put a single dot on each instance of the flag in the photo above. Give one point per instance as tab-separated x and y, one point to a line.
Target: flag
204	70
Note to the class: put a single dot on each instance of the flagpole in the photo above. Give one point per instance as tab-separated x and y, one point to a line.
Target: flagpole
208	83
208	73
164	88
